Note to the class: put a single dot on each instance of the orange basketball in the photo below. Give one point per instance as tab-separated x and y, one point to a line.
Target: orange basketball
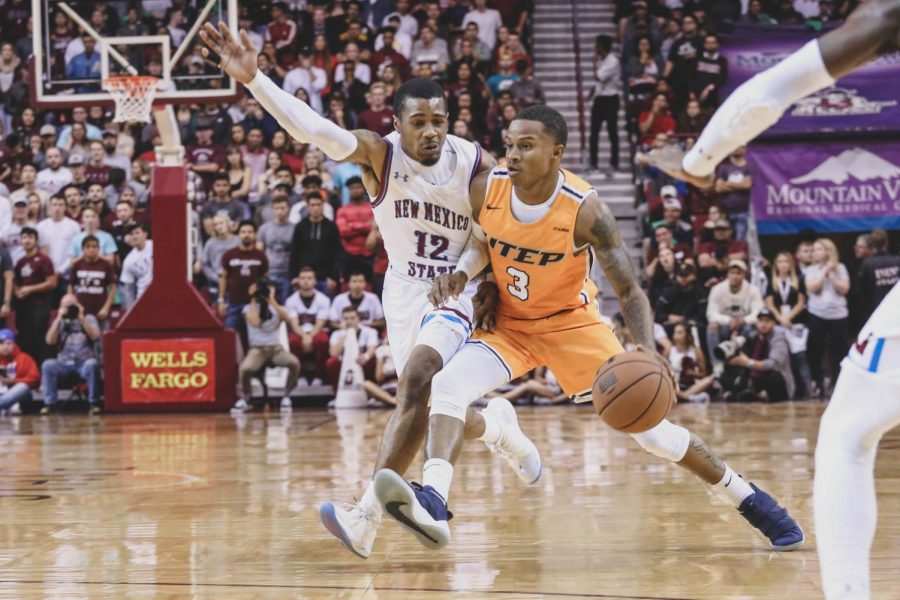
632	392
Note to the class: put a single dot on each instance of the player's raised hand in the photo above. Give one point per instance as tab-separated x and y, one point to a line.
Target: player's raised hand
236	56
485	303
446	287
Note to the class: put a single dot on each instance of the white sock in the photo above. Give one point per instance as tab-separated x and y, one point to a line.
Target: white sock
733	487
438	473
491	427
369	502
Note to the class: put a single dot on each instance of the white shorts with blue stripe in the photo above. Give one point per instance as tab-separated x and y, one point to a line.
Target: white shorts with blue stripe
412	320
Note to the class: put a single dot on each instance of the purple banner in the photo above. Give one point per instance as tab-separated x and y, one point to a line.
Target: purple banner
827	187
865	100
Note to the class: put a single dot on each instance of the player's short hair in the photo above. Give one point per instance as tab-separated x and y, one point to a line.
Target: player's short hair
221	177
311	180
57	196
29	231
247	223
355	273
354	180
878	239
123	201
135	226
349	309
280	199
88	239
417	88
554	123
314	196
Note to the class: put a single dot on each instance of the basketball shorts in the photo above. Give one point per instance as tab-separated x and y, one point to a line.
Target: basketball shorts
412	319
877	356
573	344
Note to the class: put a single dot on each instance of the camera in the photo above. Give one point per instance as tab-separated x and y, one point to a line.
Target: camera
262	290
71	313
729	348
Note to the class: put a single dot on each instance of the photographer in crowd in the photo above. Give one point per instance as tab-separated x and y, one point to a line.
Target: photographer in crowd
264	317
73	333
759	367
732	308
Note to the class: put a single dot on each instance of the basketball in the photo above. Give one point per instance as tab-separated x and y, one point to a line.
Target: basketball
632	392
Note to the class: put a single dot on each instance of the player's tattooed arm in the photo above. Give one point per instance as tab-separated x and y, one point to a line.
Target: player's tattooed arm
596	226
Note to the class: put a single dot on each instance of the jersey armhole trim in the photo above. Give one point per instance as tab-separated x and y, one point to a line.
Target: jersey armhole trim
385	169
476	166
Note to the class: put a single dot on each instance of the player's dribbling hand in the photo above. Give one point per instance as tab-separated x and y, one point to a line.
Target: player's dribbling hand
446	287
485	303
237	56
663	361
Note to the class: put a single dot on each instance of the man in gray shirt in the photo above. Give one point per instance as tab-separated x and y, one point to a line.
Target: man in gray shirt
210	263
762	370
274	238
73	333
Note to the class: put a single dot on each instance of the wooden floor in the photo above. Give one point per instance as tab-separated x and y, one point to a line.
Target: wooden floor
213	507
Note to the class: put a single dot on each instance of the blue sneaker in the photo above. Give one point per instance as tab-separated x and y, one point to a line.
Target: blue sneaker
763	512
420	509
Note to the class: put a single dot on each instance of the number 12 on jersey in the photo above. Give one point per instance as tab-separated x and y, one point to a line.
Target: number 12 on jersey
519	285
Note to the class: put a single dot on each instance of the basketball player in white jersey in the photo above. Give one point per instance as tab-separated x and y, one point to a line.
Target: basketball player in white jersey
866	399
418	180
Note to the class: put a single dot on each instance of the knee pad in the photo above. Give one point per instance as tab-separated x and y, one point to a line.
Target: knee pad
451	396
666	440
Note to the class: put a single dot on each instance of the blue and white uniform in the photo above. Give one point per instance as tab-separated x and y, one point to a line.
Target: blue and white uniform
425	218
877	348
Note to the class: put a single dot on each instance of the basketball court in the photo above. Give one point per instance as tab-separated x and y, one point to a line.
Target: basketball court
214	507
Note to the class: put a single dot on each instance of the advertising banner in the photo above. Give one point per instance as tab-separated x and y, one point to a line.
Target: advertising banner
168	370
828	187
864	101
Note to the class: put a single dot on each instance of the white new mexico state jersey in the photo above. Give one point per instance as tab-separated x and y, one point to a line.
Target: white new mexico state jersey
885	321
423	212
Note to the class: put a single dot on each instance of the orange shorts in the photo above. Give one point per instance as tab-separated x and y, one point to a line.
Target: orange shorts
573	344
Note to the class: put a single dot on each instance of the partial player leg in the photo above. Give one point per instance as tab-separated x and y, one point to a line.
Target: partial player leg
474	371
677	444
863	408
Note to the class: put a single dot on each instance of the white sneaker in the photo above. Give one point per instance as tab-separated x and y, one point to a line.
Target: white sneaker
240	407
15	409
286	404
513	444
352	526
316	382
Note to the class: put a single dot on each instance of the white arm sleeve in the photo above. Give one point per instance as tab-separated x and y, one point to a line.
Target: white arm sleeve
301	121
475	256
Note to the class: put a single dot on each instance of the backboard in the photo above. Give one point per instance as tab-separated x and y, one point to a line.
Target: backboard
77	43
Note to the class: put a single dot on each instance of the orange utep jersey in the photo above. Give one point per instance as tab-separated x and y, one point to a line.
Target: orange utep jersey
534	263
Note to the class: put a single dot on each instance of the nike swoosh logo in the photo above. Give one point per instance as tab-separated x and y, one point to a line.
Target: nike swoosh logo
393	509
489	207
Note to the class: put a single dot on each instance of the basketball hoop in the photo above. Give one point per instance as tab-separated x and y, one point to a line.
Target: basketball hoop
133	96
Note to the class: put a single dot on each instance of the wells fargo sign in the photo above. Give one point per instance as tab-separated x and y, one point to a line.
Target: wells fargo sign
168	370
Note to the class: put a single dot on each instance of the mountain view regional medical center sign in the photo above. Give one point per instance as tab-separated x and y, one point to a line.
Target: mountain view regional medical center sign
829	187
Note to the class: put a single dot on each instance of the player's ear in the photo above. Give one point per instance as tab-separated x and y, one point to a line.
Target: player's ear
396	123
557	153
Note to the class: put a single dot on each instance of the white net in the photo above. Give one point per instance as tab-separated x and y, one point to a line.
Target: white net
133	96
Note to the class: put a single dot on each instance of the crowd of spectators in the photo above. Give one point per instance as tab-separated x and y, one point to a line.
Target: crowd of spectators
734	326
269	211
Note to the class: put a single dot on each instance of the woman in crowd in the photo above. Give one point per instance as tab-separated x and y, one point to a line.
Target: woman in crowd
268	179
827	283
689	364
660	273
239	174
78	142
323	59
786	298
643	69
25	123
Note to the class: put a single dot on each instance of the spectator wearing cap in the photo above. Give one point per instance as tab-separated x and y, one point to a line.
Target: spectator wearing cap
49	139
34	281
732	308
19	373
379	117
354	222
93	280
762	369
488	21
10	235
684	302
274	238
205	158
55	176
27	179
878	274
309	77
137	268
714	257
671	213
73	334
734	178
221	203
78	166
316	243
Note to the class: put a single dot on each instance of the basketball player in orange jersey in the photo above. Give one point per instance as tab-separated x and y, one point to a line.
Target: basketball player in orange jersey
541	225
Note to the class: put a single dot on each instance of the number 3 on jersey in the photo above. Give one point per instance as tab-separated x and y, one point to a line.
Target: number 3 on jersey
519	286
